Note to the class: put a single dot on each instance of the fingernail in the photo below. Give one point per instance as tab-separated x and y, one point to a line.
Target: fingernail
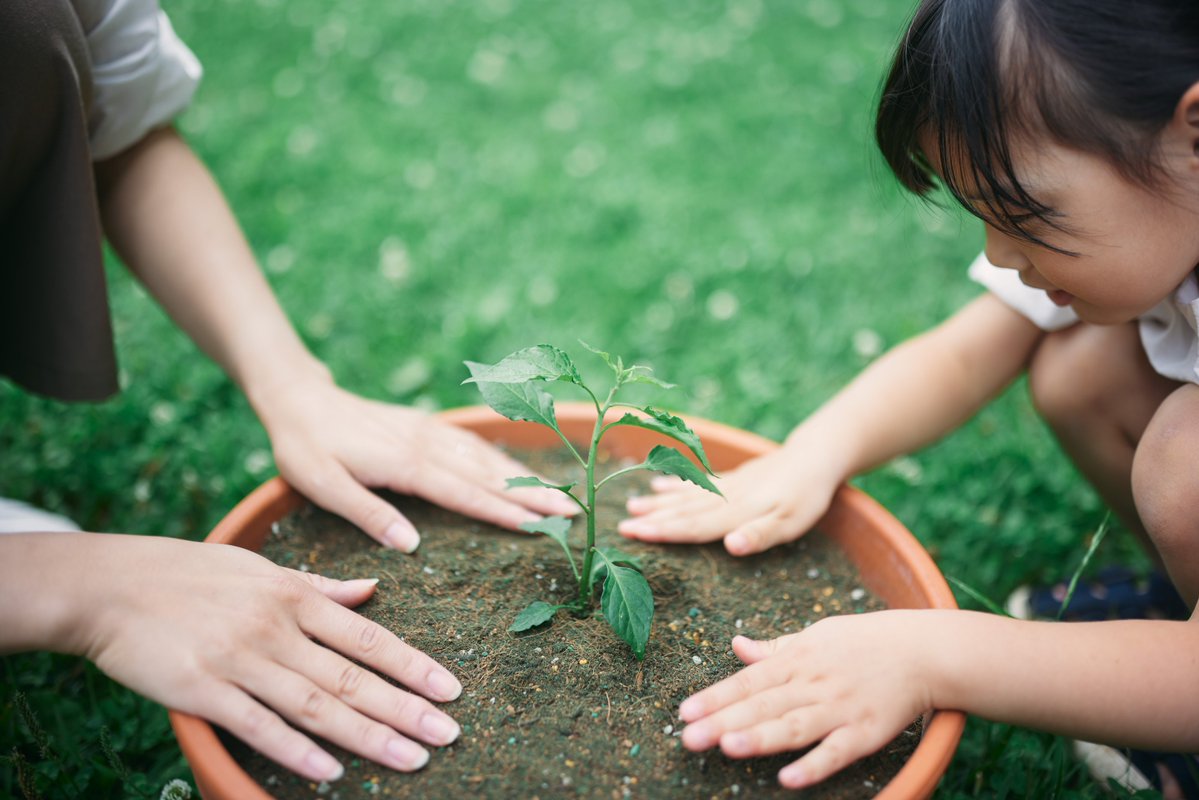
735	742
632	526
443	685
689	710
401	537
363	582
439	729
792	776
697	736
323	766
405	755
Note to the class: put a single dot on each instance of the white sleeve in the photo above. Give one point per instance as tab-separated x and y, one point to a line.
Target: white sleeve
143	76
1031	303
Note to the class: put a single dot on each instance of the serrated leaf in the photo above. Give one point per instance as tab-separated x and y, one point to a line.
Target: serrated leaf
628	605
669	425
616	556
521	482
520	402
536	613
669	461
540	362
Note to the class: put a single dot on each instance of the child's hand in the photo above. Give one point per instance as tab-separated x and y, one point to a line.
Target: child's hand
332	445
850	683
772	499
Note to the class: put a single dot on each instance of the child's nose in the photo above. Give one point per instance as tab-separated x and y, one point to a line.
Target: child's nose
1003	250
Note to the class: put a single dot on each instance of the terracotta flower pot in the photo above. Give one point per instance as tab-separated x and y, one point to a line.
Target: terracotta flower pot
890	560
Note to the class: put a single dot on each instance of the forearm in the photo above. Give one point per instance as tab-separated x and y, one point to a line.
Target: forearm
166	217
46	582
922	389
1129	682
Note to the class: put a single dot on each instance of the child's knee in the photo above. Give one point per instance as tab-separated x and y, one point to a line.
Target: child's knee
1076	373
1165	474
1063	377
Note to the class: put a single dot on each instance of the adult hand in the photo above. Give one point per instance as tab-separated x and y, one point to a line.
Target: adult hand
769	500
263	651
851	683
332	445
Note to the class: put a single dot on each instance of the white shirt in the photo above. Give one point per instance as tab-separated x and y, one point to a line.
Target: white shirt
143	75
1169	330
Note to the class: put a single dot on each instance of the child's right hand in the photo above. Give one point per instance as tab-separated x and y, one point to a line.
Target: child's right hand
772	499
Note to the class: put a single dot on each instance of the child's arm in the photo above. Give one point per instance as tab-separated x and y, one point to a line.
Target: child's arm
853	682
167	218
909	398
223	633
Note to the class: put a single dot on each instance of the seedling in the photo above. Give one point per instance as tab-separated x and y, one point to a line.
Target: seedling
511	387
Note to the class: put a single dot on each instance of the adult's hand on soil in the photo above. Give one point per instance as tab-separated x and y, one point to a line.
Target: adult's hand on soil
769	500
850	683
332	445
263	651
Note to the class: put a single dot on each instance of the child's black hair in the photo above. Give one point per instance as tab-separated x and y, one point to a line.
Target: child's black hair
971	77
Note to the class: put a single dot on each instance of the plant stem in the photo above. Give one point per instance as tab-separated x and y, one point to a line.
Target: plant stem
618	473
592	454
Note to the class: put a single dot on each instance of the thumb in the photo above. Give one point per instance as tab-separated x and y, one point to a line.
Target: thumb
757	535
751	651
348	593
346	497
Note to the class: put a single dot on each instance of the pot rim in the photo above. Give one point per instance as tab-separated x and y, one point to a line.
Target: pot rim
219	776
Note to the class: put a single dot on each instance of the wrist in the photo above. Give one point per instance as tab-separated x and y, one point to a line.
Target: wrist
811	443
271	389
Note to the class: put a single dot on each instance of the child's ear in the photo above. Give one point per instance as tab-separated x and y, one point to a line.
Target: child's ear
1186	117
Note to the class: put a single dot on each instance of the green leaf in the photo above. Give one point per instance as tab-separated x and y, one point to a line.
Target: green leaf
541	362
536	613
554	527
518	483
628	605
616	556
557	529
669	425
521	402
671	462
605	356
634	376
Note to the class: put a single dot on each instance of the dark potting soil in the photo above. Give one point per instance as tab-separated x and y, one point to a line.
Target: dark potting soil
565	710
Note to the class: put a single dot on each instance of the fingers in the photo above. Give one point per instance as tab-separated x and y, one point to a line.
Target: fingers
458	494
306	704
738	686
792	730
760	534
365	691
838	750
743	717
266	732
491	467
336	490
347	593
692	519
370	643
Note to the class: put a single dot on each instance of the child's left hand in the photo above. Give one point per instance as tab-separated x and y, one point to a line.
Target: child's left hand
851	683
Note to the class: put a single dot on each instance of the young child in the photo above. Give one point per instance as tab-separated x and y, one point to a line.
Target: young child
1071	129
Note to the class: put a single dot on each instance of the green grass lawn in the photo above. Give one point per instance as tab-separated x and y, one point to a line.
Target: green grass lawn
692	185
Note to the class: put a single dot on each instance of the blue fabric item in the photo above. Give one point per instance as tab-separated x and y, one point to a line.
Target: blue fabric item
1114	593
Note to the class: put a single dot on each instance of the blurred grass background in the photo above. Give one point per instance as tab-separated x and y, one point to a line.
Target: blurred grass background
692	185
